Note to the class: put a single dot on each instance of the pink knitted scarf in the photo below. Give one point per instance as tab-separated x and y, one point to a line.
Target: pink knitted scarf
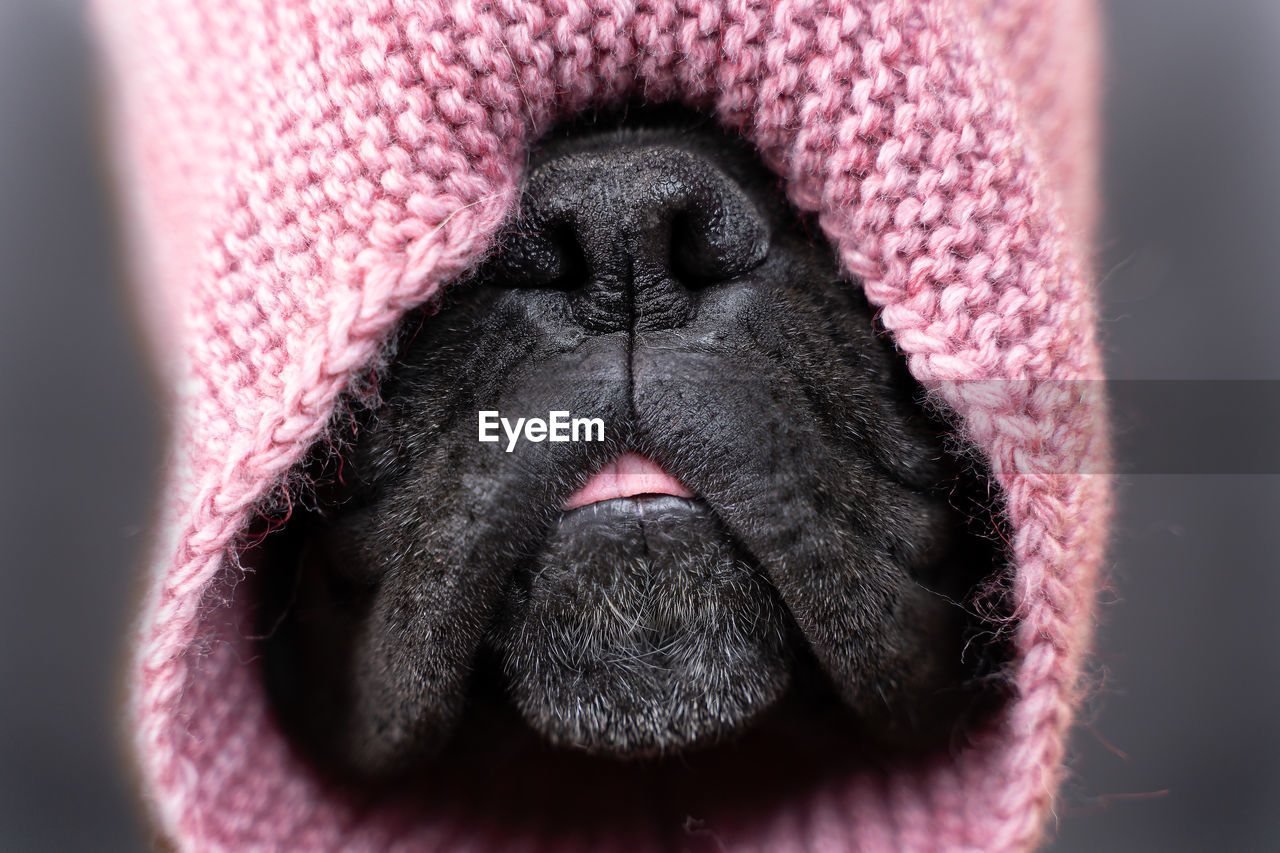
299	173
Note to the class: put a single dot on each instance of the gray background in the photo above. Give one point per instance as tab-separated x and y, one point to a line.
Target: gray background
1180	748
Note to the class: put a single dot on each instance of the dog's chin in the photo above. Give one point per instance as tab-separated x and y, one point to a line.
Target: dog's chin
500	773
728	737
640	629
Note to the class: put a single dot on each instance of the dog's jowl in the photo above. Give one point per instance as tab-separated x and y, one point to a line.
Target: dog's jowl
746	510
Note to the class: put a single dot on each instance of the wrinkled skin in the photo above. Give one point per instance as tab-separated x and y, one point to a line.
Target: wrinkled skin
654	278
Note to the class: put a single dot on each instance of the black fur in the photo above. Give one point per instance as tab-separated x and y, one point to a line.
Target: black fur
655	278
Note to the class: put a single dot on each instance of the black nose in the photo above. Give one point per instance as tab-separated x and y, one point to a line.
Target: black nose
632	231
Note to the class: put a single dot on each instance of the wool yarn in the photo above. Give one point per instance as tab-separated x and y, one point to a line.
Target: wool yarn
297	174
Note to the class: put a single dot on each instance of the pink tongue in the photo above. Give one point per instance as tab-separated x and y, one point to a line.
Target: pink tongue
629	474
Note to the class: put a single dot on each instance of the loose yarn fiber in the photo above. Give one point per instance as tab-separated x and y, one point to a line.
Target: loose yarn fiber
297	174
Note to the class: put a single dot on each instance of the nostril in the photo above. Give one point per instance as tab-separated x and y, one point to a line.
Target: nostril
711	247
540	256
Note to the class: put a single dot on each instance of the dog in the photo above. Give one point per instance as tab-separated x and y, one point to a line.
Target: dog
647	474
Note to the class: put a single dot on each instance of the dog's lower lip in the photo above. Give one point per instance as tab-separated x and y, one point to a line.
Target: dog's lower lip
627	476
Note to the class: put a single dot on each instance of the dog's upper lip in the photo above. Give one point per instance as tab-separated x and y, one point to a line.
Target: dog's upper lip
628	475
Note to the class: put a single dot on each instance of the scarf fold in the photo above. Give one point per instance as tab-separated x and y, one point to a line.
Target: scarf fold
298	174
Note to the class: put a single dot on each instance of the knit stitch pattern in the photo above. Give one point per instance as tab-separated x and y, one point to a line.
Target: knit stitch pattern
298	174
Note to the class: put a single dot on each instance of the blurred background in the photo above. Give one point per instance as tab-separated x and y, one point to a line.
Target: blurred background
1179	749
